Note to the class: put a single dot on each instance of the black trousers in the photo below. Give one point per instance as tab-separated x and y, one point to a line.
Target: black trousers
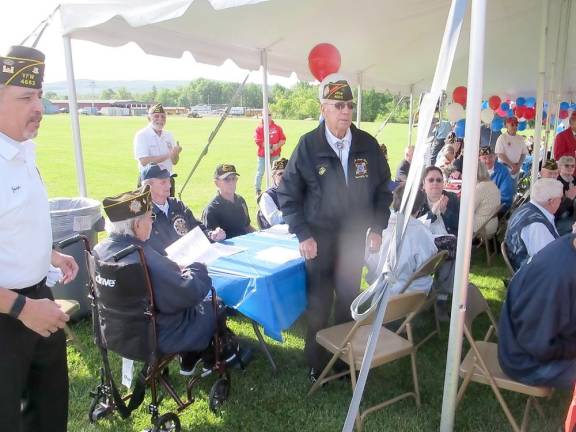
33	375
333	278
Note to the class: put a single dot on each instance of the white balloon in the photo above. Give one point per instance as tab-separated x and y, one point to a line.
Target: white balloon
487	115
455	112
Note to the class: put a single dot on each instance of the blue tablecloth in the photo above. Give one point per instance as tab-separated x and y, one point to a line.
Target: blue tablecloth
273	295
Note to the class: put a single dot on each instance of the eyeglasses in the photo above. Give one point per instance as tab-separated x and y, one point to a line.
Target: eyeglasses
231	178
569	165
340	105
435	179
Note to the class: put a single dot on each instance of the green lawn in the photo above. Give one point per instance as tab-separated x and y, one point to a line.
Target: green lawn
259	401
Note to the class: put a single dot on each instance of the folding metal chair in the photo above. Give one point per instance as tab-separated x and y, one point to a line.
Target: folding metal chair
504	251
481	363
486	239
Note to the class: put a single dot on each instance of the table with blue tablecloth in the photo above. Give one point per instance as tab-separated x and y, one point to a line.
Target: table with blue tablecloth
271	294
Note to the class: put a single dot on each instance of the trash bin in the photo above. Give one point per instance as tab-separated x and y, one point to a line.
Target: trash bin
71	216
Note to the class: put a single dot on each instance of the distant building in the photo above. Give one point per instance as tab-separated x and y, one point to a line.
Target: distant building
135	107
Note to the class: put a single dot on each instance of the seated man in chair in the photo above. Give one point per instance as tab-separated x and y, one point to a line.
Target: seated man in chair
185	318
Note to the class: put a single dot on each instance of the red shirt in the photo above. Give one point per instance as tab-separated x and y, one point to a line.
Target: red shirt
276	135
565	144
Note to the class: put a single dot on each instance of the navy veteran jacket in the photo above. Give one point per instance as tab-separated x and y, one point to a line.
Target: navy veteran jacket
167	229
185	320
314	195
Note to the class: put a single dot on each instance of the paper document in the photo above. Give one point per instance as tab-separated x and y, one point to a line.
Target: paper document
276	231
195	247
277	255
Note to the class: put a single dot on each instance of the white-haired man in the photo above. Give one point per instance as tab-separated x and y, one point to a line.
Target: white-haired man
172	219
33	366
334	188
531	226
154	145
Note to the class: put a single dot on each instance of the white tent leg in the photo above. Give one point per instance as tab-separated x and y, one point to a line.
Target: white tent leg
264	63
73	108
359	101
472	133
540	92
411	115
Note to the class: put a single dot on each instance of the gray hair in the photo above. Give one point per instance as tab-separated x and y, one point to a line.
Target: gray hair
147	182
545	189
565	160
482	173
125	227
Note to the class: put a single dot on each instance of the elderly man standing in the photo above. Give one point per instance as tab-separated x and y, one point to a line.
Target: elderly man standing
172	219
33	368
531	226
511	148
334	188
498	174
565	142
155	145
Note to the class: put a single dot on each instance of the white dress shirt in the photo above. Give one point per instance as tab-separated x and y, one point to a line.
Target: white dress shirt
147	143
344	151
536	235
269	210
25	229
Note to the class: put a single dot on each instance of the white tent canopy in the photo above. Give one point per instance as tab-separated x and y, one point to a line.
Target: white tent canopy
393	44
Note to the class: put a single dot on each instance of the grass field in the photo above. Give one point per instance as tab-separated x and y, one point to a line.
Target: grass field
260	401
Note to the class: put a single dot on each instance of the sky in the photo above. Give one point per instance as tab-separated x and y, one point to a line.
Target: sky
92	61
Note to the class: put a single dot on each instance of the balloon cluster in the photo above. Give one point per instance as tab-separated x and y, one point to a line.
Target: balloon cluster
495	111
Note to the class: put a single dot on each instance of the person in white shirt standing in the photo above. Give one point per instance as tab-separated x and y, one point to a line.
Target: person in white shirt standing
154	145
511	148
33	366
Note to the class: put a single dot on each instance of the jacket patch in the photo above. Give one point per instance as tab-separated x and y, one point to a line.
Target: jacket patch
322	170
180	226
361	168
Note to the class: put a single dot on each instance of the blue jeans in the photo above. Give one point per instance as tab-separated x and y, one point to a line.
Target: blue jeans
260	171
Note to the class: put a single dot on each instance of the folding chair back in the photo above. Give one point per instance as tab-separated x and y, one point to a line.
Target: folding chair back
504	251
429	267
403	306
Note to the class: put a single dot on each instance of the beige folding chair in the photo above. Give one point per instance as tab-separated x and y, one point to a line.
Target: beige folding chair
481	363
504	251
483	236
69	307
348	341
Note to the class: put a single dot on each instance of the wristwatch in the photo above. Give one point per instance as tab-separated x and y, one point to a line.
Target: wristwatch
17	306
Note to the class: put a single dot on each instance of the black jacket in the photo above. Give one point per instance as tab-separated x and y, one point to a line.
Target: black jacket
313	194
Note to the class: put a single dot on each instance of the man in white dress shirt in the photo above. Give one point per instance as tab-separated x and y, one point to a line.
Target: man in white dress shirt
154	145
33	368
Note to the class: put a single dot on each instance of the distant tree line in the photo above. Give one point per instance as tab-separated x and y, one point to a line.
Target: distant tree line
299	102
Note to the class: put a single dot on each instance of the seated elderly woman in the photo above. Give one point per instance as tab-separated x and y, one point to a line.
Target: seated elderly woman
440	209
185	318
486	201
417	247
269	212
566	166
447	155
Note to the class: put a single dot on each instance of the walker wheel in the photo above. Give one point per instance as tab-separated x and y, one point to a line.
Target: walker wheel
219	394
168	422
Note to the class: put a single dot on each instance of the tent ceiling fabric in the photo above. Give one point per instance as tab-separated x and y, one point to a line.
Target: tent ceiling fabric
394	44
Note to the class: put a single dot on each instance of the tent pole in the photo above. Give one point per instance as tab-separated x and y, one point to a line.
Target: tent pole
466	218
265	111
411	115
359	101
540	91
74	118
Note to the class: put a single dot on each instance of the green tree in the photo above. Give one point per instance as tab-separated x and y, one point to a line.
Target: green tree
108	94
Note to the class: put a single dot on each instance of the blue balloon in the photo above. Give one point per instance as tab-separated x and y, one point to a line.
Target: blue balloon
497	124
510	112
522	126
531	102
573	106
544	115
460	128
520	101
505	106
564	106
485	105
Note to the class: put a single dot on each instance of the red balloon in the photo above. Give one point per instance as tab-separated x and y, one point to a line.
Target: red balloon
519	111
563	114
459	95
323	60
529	113
494	102
501	113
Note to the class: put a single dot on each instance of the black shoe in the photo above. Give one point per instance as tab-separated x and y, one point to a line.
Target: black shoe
189	362
243	358
443	310
313	375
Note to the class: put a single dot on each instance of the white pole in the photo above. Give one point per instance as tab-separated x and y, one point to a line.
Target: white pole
540	91
411	114
466	218
73	109
264	63
359	101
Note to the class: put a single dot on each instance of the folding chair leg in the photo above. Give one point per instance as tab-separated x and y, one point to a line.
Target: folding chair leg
352	367
325	371
538	408
504	405
464	386
487	248
415	377
525	417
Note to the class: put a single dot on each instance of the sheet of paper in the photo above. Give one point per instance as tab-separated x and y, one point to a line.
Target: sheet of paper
195	247
277	255
127	372
276	231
